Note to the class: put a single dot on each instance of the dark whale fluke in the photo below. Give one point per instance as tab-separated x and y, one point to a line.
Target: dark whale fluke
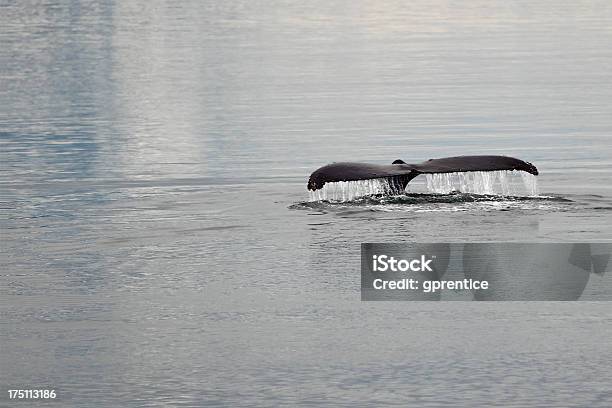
403	172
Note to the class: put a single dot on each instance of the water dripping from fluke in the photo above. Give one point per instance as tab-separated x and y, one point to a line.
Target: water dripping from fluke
500	182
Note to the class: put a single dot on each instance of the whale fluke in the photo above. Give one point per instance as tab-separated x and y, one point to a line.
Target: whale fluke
403	172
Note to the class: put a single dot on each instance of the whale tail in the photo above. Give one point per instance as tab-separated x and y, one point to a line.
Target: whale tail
403	172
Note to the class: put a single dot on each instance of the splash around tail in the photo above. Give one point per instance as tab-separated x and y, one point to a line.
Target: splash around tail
501	183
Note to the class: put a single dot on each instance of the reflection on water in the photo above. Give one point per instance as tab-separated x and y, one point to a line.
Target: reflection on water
149	153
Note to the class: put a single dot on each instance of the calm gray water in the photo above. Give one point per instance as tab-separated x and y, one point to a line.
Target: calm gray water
155	248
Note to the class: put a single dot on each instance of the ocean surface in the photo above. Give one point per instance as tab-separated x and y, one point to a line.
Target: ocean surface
157	243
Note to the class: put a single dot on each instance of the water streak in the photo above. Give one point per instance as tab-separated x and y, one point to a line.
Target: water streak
348	190
501	182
